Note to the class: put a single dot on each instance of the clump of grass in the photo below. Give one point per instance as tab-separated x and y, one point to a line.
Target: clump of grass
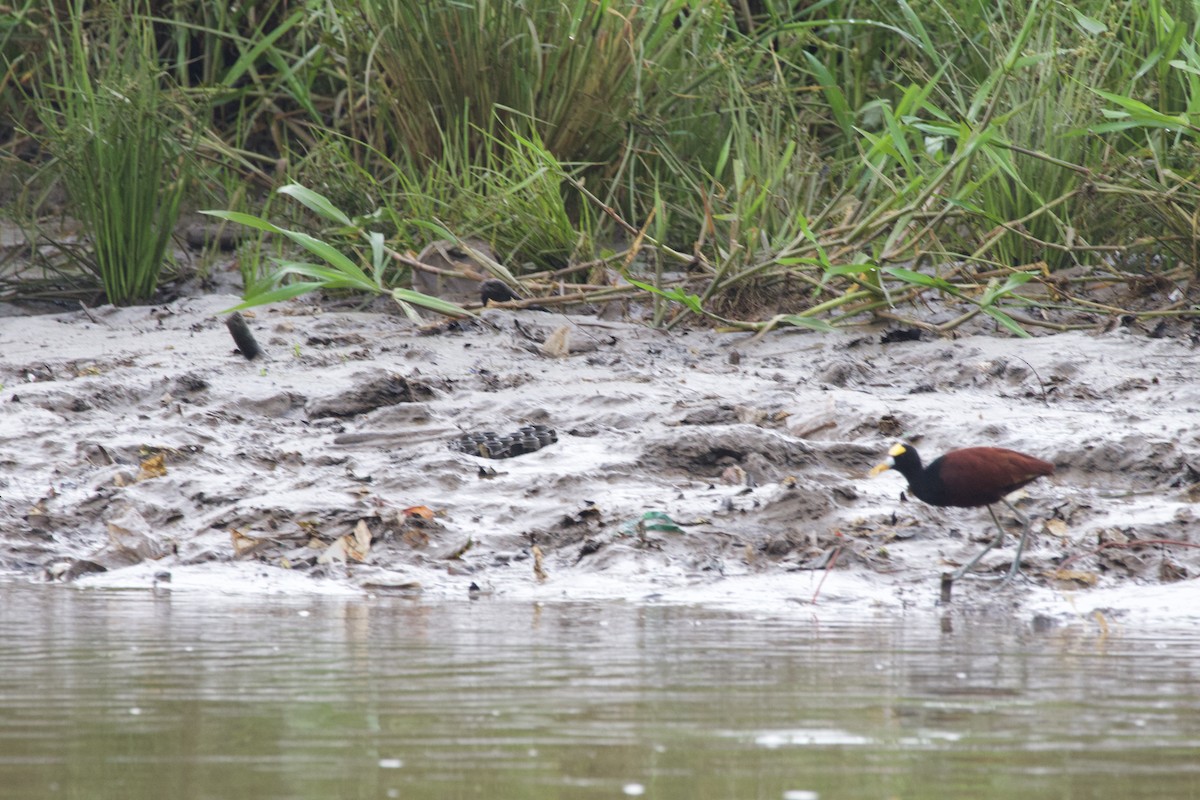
514	196
118	138
570	66
585	77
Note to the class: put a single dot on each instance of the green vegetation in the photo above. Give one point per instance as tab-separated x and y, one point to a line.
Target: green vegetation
337	272
753	164
110	123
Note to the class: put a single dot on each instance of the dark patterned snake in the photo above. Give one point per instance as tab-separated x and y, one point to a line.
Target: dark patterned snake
490	445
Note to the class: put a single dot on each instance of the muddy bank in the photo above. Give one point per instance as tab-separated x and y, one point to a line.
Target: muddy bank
138	448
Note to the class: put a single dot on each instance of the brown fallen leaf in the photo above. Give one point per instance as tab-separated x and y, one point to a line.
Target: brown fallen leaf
1075	576
244	545
558	343
359	547
424	512
356	546
153	467
1057	527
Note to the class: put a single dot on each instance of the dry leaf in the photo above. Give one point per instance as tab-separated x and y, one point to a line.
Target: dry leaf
359	547
153	467
424	512
558	343
356	545
1057	527
1076	576
242	544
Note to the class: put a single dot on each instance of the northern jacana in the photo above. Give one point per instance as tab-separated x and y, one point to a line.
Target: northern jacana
969	478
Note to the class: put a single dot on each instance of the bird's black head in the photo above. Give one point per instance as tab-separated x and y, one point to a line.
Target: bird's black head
904	459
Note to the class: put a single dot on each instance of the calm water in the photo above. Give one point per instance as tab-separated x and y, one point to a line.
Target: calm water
137	695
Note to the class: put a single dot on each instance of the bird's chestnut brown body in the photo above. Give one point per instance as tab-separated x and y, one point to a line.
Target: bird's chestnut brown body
974	476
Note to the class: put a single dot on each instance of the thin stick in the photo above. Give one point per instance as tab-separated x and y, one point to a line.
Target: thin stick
1138	543
837	551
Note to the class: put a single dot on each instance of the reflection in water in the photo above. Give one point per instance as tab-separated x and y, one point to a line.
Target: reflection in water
138	695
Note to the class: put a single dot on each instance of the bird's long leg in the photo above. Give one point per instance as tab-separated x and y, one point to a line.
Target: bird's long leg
1024	520
965	568
1016	564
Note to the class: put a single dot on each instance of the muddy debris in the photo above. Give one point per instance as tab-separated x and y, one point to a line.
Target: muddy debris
679	472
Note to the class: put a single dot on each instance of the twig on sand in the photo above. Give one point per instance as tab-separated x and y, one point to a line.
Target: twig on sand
837	551
1123	545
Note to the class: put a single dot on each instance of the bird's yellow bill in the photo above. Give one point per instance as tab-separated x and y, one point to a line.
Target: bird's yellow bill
897	450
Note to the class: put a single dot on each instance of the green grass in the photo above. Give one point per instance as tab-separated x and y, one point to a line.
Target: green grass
119	142
805	164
